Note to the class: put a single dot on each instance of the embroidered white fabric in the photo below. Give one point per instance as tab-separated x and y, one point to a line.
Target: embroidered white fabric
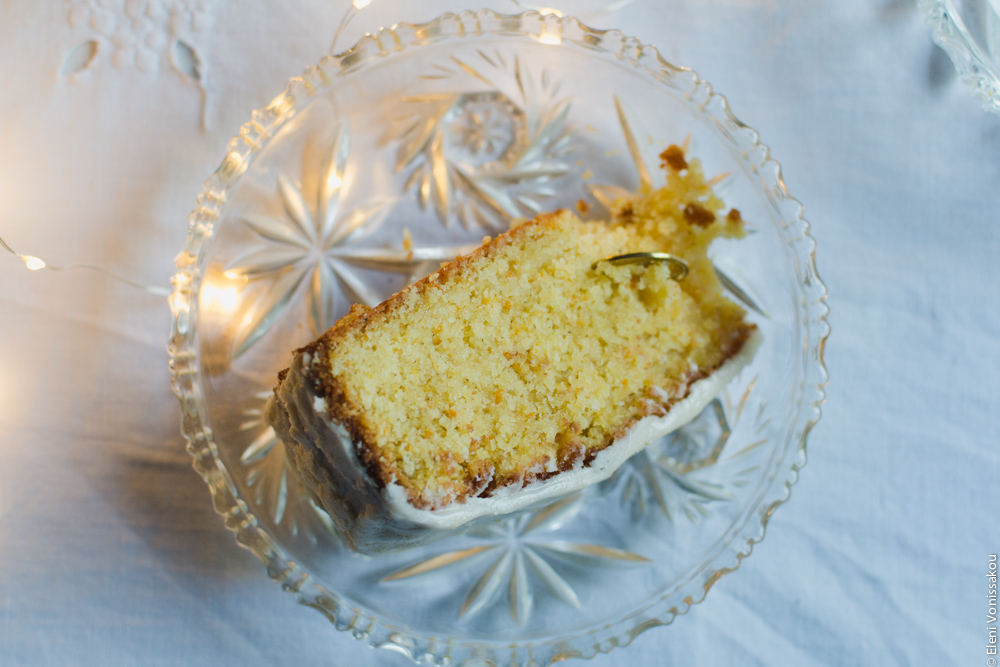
115	111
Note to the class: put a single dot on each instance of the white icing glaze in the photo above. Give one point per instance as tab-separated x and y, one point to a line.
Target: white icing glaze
374	519
646	430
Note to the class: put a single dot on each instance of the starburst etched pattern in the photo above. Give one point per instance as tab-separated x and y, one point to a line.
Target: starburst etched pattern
684	473
276	487
319	247
516	554
488	156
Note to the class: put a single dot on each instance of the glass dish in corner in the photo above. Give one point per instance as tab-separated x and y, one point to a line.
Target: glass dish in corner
969	32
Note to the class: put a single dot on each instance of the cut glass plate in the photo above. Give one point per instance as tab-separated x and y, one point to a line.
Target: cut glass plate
407	149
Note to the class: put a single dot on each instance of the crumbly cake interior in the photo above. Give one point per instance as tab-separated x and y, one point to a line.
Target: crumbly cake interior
522	360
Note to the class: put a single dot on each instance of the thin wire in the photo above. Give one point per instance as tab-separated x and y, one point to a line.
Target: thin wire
35	263
348	17
42	264
9	249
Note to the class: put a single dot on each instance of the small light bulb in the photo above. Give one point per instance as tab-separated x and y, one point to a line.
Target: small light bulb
229	299
226	299
361	4
33	263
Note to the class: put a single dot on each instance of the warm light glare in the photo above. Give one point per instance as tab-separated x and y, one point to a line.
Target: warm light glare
549	38
223	298
361	4
33	263
334	182
550	10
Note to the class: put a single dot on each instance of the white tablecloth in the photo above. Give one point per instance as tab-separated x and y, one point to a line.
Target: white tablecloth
110	552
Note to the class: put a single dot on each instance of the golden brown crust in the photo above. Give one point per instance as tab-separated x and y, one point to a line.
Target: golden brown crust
360	316
340	408
479	478
673	157
697	214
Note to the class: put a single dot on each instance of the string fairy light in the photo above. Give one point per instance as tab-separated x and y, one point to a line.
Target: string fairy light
355	7
37	264
33	263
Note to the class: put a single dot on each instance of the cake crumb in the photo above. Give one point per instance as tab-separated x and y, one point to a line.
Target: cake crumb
407	243
697	214
673	157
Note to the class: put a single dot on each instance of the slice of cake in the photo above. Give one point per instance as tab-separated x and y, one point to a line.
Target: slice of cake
519	373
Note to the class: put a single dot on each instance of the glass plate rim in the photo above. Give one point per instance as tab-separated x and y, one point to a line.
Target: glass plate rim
184	359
